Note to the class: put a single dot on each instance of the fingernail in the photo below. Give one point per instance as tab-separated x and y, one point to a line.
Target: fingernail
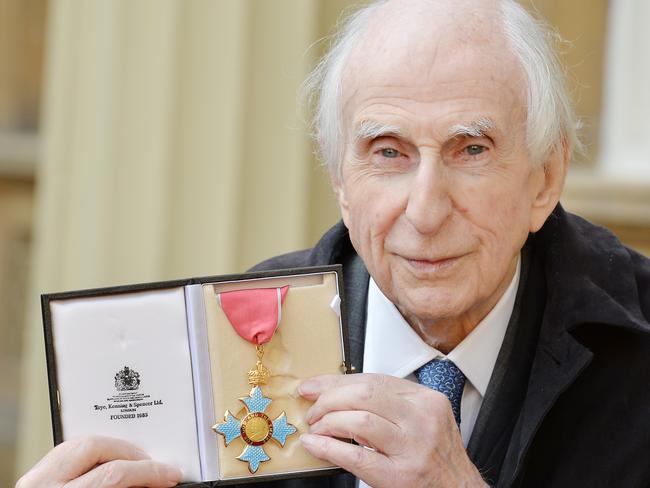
142	454
173	474
308	387
308	416
307	440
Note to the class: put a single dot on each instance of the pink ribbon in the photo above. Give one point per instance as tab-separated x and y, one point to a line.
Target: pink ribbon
255	313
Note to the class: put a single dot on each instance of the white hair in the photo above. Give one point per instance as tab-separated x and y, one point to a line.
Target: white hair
551	123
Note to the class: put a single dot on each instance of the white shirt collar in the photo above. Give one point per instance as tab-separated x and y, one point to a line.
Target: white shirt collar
392	347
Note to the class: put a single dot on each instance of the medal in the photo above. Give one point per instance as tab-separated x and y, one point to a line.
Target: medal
255	315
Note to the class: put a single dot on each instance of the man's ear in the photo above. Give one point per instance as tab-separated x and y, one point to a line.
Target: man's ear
341	198
549	184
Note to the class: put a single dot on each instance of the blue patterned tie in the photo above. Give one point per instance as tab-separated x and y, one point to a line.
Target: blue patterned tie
444	376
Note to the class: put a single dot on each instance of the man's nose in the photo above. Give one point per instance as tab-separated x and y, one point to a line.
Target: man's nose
429	203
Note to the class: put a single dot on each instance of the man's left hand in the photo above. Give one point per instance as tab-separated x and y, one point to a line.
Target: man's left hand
410	429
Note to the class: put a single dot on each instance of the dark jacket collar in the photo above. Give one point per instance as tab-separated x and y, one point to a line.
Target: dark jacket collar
591	276
591	280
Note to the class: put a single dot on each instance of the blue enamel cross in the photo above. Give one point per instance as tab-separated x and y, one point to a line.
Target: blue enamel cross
256	429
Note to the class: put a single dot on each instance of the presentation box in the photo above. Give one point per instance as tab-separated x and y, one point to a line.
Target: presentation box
161	365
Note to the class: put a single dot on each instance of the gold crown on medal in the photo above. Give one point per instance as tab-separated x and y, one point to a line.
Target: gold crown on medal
259	375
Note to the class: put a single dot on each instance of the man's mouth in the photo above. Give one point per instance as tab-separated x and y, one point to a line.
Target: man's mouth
432	265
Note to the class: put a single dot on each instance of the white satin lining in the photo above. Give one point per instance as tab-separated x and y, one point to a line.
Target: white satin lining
279	307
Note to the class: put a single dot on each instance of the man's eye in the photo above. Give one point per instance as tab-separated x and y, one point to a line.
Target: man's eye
475	149
389	152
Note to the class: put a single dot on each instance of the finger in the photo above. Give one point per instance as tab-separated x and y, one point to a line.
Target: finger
75	457
372	467
124	474
313	387
365	428
369	396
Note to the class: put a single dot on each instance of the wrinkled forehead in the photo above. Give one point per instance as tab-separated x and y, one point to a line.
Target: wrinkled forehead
430	44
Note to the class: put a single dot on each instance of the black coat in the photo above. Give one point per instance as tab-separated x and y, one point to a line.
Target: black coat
568	403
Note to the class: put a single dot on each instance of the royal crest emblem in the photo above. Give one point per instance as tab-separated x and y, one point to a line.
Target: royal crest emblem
127	379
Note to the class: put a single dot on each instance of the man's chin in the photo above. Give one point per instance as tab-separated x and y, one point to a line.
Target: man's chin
431	307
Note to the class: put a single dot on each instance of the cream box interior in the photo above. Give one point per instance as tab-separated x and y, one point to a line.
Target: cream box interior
159	364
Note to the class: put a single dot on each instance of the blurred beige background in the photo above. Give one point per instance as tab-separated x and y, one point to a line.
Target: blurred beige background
161	139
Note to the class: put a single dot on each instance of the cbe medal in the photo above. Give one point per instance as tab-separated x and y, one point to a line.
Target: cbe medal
255	315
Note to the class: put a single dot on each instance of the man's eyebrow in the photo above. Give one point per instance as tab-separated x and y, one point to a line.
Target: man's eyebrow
476	128
371	129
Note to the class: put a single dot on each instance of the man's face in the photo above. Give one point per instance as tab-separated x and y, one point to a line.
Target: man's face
437	189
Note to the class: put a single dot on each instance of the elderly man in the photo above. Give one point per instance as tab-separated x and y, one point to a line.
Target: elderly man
507	339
